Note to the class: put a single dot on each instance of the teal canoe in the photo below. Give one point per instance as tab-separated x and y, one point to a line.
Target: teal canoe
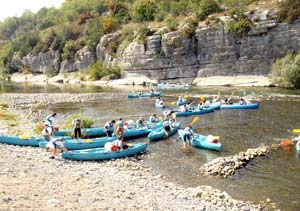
87	132
158	105
159	133
239	106
143	131
104	154
21	140
24	140
144	95
180	103
194	112
75	144
201	141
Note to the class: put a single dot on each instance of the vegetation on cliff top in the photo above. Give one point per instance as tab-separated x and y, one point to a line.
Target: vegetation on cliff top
79	23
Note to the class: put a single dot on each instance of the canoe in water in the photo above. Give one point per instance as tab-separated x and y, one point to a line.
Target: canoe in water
75	144
238	106
159	133
104	154
88	132
143	131
194	112
144	95
202	141
158	105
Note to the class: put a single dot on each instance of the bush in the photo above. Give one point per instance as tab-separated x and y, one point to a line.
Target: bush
239	26
286	71
87	122
144	10
289	10
97	71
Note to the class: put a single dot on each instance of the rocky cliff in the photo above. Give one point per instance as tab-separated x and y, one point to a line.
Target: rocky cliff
211	51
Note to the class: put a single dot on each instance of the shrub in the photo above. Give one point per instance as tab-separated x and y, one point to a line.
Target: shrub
97	71
286	71
144	10
239	26
289	10
87	122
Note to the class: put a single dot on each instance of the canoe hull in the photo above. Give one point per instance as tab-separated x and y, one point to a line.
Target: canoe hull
238	106
159	133
83	143
157	105
103	154
144	95
195	112
173	86
16	140
88	132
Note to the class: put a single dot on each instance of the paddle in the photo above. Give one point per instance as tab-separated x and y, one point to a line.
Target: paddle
296	130
195	120
171	103
186	96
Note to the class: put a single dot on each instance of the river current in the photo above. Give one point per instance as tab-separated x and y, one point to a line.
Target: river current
275	176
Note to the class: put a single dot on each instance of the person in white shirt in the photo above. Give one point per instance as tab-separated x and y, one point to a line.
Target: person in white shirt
47	132
49	122
54	146
153	118
188	136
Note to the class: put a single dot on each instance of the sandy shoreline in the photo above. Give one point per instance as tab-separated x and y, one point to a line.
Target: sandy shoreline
72	78
29	180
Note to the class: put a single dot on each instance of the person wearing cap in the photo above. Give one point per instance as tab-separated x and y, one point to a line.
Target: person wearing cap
77	125
109	127
153	118
188	135
140	122
55	145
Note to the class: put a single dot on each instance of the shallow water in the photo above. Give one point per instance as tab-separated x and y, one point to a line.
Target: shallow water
276	176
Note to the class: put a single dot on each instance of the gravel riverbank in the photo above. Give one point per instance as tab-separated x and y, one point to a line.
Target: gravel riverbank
29	180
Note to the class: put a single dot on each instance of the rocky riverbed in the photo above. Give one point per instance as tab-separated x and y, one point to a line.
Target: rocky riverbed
29	180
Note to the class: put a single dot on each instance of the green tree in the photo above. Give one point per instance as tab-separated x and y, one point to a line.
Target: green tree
144	10
286	71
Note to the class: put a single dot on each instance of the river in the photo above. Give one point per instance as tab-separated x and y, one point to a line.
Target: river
275	176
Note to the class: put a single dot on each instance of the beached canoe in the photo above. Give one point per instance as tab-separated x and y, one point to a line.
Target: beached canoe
144	95
21	140
83	143
86	132
159	133
173	86
158	105
24	140
104	154
238	106
194	112
298	146
202	141
143	131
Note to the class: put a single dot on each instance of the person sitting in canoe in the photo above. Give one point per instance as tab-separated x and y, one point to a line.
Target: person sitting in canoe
206	103
200	106
140	122
188	135
153	118
55	145
109	127
180	99
77	125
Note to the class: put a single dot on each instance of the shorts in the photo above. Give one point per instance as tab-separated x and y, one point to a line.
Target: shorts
50	145
167	128
187	137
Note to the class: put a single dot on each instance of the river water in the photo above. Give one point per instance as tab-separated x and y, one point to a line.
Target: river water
275	176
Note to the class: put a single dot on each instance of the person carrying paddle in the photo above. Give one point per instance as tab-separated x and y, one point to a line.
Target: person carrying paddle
77	125
55	145
109	127
188	135
49	122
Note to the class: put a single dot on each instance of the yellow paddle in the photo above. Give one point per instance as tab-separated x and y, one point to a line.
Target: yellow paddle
186	96
296	130
195	119
171	103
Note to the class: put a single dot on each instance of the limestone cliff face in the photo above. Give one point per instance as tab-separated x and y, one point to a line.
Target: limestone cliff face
211	51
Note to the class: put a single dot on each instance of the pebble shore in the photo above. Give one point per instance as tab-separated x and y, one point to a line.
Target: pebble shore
29	180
